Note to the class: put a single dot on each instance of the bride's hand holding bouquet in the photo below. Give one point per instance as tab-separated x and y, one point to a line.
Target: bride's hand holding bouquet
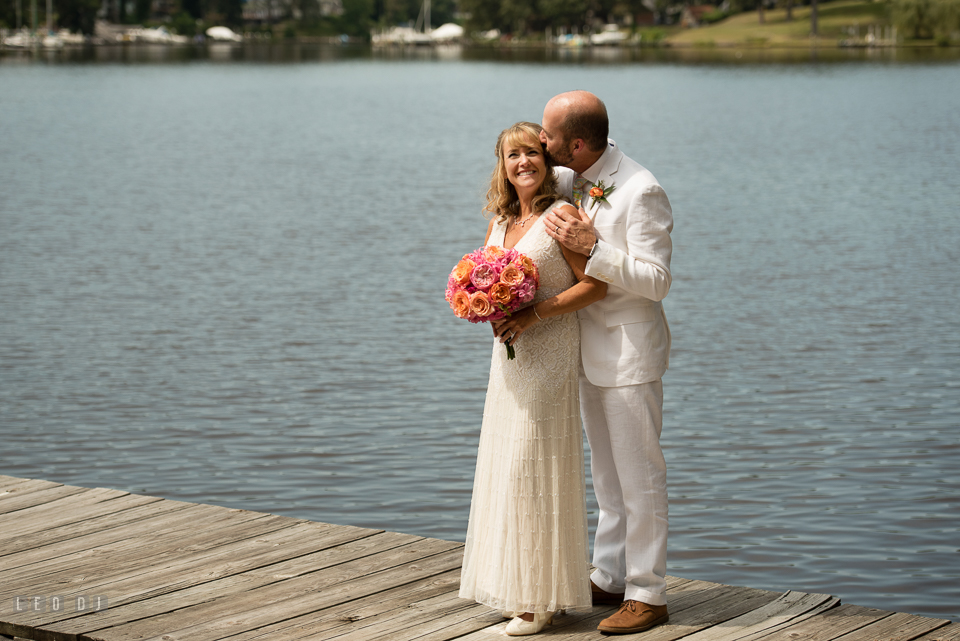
509	329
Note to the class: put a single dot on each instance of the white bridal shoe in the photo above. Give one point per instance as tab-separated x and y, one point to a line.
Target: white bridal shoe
520	628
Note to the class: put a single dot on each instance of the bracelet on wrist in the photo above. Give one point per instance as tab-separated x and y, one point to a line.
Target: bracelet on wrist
536	314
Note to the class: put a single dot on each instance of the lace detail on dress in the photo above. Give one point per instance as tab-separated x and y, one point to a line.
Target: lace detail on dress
544	349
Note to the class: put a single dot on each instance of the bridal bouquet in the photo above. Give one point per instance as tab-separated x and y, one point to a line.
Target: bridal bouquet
490	284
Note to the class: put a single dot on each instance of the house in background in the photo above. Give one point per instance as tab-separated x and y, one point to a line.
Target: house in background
692	17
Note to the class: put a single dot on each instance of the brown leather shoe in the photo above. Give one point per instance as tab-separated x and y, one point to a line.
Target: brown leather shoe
602	597
634	616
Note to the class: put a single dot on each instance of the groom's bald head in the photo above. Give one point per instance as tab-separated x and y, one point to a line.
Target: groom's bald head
582	115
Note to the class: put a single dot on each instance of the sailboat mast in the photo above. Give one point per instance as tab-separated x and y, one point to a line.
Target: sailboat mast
423	20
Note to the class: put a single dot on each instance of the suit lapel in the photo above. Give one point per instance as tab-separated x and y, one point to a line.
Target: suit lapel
607	175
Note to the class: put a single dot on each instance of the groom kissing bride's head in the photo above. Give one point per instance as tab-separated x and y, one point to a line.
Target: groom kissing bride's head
575	129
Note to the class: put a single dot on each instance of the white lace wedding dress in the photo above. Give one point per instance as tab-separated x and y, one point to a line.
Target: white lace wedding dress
526	548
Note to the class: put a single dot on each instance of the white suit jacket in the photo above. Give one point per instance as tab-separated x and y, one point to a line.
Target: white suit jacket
625	339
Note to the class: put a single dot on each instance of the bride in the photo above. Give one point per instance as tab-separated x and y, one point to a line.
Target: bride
526	548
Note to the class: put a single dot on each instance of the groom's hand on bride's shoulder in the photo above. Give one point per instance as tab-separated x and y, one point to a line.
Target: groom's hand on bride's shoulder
572	230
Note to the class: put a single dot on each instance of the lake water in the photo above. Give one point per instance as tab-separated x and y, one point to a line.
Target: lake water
223	283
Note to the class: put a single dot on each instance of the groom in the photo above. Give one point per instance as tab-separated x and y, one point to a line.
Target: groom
624	227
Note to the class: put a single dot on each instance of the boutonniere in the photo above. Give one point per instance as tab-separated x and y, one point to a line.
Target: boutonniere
599	193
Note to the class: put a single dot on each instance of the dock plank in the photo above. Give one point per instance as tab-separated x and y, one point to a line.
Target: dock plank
16	501
38	515
21	535
13	486
950	632
293	597
119	556
711	602
829	625
770	617
98	623
324	623
166	536
694	606
574	624
126	510
789	622
896	627
410	622
192	569
454	627
189	572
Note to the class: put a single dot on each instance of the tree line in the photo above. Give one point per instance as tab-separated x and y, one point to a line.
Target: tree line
918	19
927	19
80	16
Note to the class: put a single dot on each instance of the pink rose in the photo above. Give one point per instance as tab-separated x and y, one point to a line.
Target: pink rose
483	276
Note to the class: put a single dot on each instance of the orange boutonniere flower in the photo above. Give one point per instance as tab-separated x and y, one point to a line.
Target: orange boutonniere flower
599	193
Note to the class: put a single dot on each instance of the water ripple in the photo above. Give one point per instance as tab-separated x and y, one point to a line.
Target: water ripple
198	269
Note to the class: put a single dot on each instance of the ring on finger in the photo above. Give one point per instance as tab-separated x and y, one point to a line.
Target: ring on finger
558	229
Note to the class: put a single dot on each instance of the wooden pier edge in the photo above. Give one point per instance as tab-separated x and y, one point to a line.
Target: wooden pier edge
82	564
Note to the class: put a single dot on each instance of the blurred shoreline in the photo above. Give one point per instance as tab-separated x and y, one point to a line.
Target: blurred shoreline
317	49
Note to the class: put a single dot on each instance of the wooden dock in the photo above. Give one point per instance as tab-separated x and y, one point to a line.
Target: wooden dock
174	571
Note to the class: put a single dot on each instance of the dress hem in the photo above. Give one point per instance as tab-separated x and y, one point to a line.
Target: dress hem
503	606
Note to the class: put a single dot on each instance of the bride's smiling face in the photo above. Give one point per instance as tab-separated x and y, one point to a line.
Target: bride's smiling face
524	163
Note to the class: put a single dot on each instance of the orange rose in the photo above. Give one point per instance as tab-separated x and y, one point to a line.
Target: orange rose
526	265
596	192
480	305
461	304
511	275
500	294
493	253
463	270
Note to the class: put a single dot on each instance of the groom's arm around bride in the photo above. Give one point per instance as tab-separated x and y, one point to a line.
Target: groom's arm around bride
626	235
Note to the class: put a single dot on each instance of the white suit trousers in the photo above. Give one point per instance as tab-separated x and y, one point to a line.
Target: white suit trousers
630	480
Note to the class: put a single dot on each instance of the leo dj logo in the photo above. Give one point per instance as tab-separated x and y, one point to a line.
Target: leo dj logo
76	604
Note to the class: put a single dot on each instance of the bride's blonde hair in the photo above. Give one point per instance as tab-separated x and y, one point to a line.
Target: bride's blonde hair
502	199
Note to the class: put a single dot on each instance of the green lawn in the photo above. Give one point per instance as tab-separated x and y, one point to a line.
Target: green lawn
745	29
